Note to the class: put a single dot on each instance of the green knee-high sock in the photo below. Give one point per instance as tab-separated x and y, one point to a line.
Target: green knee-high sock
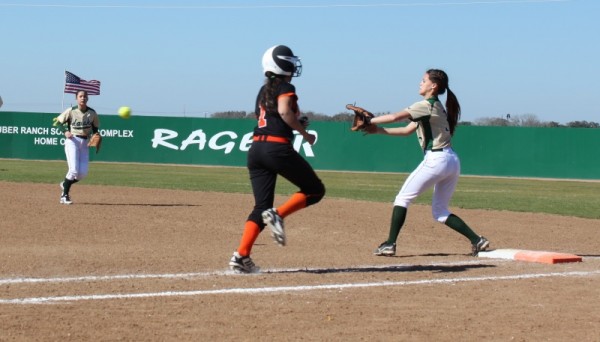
398	217
67	185
460	226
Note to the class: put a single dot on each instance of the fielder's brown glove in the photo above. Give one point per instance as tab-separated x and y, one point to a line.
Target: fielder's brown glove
362	118
95	141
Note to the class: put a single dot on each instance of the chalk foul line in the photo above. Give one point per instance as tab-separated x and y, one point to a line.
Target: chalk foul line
299	288
92	278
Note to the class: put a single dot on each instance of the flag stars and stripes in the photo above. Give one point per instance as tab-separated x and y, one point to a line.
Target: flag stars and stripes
73	84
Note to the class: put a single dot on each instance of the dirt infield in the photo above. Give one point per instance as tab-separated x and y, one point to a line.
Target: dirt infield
151	265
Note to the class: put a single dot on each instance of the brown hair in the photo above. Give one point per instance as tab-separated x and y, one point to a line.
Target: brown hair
268	97
440	78
79	91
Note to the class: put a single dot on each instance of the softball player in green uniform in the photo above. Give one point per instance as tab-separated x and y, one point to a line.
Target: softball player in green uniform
440	167
78	124
272	154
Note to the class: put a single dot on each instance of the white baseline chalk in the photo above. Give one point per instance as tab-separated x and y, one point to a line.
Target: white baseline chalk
299	288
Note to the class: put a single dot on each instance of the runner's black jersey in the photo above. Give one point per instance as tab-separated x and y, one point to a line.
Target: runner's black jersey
271	123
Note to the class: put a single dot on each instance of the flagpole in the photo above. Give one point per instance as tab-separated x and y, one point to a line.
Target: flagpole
62	104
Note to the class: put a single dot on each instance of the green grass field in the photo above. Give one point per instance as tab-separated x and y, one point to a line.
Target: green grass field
569	198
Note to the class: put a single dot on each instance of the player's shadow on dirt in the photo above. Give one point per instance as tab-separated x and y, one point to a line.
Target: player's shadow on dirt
427	255
144	204
394	269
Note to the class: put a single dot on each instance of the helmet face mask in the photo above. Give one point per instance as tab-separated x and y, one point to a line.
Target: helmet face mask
280	60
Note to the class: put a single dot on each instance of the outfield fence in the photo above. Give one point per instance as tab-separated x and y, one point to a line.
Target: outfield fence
568	153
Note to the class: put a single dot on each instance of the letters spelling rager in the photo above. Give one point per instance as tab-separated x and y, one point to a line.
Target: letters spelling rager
224	140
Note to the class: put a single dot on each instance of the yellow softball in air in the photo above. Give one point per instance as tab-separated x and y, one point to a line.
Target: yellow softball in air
125	112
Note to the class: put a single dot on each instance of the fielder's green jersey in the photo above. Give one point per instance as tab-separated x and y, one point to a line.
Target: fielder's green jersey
433	129
80	123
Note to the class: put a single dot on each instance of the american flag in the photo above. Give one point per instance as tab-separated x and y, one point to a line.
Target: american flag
74	83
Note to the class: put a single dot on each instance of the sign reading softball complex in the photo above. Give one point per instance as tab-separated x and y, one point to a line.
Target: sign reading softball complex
53	135
564	153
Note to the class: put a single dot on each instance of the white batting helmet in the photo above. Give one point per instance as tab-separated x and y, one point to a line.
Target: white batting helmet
281	61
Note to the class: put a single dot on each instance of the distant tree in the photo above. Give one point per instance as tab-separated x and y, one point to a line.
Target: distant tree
553	124
522	120
312	116
525	120
583	124
229	115
492	122
342	117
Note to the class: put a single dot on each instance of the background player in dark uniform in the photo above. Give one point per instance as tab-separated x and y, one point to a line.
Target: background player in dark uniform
272	154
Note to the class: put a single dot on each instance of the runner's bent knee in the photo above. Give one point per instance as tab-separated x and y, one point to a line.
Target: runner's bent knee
316	195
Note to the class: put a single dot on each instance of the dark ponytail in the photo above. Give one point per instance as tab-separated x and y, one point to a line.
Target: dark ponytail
268	98
440	78
453	110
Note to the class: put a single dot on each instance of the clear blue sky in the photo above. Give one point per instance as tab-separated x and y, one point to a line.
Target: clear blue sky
169	57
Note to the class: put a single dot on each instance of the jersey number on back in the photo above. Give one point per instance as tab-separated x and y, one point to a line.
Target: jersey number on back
262	120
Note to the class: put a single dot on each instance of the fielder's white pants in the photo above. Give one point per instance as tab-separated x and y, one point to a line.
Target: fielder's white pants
438	169
78	158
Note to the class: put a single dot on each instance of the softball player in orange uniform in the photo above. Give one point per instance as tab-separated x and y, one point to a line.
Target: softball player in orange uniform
440	167
78	124
272	154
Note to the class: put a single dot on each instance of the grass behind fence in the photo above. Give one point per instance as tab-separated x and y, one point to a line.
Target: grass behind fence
569	198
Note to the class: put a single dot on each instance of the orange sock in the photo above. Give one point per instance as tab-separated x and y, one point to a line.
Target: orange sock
295	203
251	231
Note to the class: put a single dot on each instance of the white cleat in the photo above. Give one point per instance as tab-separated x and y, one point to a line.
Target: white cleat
275	223
65	199
242	264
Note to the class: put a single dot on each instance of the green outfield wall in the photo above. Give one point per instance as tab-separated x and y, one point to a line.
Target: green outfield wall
570	153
